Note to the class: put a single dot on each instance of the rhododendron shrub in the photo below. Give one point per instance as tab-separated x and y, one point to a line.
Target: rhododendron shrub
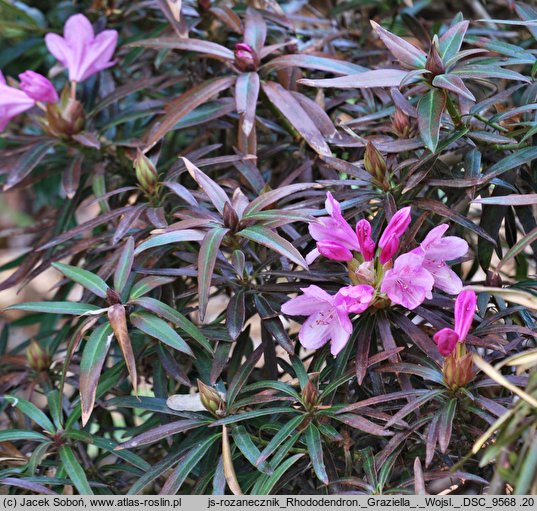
268	247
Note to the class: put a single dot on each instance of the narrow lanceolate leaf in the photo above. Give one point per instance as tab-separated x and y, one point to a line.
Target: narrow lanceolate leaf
71	176
118	321
32	412
511	161
404	52
445	424
338	67
170	314
358	422
91	364
206	261
235	314
145	285
315	450
74	471
451	41
270	198
159	329
229	469
85	278
518	247
509	200
240	379
165	431
365	80
244	442
255	30
186	465
27	162
214	191
454	84
184	104
72	308
124	265
246	93
489	72
430	109
168	238
290	108
273	241
197	45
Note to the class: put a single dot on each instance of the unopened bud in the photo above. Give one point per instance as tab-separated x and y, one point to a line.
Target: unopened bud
38	358
434	62
401	123
493	279
146	173
65	118
361	273
211	400
112	297
310	395
375	164
230	216
246	58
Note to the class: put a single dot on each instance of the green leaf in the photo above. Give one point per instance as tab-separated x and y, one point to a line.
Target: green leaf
186	465
273	241
124	265
281	436
445	424
176	318
513	160
73	308
231	419
147	284
168	238
430	109
244	442
241	377
74	470
312	438
206	262
159	329
85	278
12	435
278	473
91	364
32	412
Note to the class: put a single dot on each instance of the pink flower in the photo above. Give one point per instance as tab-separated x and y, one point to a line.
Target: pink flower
408	283
366	243
335	230
80	50
328	314
389	241
436	250
38	87
12	102
333	250
447	338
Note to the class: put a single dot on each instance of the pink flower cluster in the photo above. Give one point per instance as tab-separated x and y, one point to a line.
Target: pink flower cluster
80	51
408	281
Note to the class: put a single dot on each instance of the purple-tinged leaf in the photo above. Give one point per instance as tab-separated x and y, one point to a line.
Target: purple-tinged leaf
450	42
403	51
509	200
241	377
88	139
365	80
85	278
529	15
228	17
181	192
445	424
290	108
338	67
246	93
314	111
91	364
70	308
71	176
255	29
27	485
413	405
208	253
118	320
184	104
168	238
454	84
159	329
160	432
511	161
358	422
215	193
176	43
270	198
273	241
31	157
430	109
127	222
235	314
363	342
74	470
432	440
479	71
124	265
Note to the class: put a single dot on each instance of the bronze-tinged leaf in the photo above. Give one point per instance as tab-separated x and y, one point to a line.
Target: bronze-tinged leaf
184	104
118	321
229	469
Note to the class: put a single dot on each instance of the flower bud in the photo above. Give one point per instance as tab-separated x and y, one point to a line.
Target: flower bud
374	162
401	123
367	245
230	216
458	370
434	62
310	395
446	340
37	356
112	297
246	58
146	173
361	273
38	87
65	118
334	250
211	400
